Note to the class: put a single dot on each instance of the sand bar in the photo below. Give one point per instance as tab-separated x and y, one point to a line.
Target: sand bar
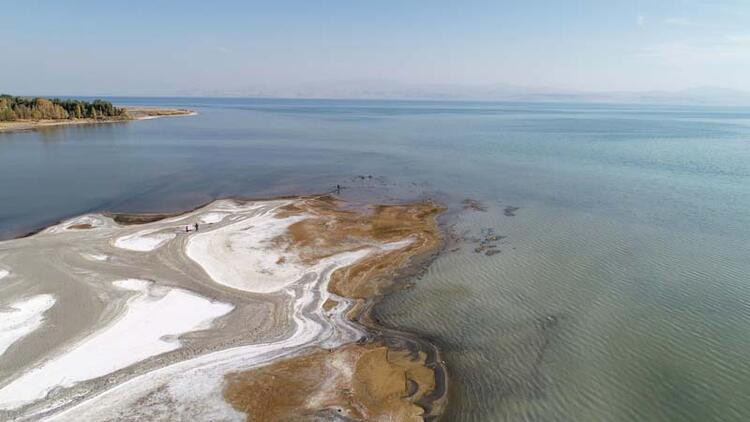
148	316
135	113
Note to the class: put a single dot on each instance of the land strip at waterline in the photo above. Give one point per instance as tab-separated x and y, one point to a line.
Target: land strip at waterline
23	113
238	310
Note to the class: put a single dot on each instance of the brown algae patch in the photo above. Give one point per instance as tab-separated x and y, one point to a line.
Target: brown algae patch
332	230
329	304
357	382
142	218
473	204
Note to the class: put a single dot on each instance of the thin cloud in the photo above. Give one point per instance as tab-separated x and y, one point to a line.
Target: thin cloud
733	49
640	20
678	21
741	39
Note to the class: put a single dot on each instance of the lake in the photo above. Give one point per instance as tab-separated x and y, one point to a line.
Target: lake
621	289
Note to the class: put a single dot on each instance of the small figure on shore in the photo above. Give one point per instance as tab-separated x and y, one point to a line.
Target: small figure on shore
196	226
338	188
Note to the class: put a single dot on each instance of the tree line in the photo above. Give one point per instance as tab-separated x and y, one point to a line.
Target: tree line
25	108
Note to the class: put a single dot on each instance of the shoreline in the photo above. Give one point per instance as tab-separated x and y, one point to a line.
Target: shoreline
366	282
135	113
377	339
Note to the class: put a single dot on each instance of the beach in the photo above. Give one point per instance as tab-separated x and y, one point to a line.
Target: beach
113	316
134	113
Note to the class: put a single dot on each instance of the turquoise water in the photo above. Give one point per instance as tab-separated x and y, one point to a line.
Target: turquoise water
621	290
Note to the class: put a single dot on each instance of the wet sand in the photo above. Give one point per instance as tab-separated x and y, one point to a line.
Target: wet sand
128	318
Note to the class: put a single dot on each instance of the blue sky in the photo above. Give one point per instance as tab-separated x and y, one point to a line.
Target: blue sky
283	47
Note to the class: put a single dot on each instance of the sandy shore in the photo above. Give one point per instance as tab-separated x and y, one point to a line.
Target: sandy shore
107	320
135	113
145	113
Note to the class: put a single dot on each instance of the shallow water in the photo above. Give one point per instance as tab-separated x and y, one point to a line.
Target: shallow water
621	289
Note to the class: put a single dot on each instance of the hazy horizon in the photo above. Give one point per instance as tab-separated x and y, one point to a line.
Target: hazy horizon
478	50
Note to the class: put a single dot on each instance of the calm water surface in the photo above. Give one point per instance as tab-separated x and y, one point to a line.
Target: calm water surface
622	291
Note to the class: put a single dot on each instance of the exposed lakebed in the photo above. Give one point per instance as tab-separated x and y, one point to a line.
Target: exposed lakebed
192	313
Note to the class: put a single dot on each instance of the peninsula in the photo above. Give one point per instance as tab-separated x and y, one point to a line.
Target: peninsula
24	113
235	311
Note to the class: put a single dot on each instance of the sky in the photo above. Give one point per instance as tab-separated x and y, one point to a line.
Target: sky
335	48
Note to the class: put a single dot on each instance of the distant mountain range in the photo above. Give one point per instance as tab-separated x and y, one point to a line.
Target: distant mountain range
692	96
371	89
388	90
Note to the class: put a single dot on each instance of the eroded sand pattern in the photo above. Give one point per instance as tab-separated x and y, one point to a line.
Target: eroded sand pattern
21	318
261	314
